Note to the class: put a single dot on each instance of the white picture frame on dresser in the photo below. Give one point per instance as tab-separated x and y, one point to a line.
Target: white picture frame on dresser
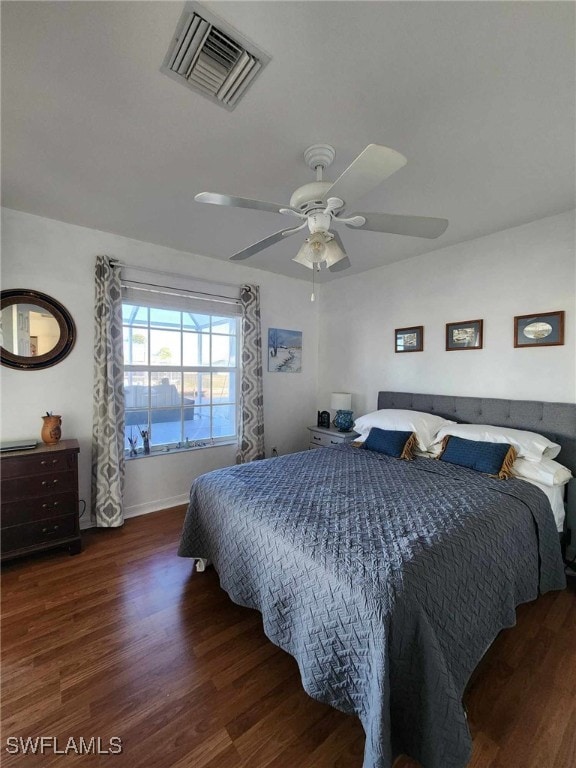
326	437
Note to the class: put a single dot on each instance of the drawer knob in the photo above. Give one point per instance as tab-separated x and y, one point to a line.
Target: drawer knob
50	530
46	482
43	463
316	438
334	442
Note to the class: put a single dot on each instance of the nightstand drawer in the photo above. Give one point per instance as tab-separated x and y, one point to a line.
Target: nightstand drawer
328	437
320	440
38	533
29	510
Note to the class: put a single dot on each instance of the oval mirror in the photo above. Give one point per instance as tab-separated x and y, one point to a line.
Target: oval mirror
36	331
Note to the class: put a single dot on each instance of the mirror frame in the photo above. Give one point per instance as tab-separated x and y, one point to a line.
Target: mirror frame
62	317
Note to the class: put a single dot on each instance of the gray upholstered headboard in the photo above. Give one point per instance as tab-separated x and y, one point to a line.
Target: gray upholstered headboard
556	421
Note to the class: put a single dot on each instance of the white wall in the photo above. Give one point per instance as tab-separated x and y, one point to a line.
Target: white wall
522	270
58	259
519	271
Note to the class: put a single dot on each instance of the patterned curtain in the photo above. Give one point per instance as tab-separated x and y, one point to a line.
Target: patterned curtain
251	443
108	427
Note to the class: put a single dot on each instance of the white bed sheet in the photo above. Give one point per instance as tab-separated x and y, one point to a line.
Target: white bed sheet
555	494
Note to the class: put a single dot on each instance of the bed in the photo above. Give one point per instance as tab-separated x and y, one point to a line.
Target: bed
386	580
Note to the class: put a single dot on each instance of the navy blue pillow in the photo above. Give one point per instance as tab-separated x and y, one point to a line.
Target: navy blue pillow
391	442
490	458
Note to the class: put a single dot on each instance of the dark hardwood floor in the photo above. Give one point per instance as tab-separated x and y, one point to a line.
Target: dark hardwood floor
125	641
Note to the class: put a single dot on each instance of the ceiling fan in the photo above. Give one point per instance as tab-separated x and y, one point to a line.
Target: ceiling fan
321	204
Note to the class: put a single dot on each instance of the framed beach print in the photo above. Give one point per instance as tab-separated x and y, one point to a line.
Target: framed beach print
543	330
284	351
409	339
464	335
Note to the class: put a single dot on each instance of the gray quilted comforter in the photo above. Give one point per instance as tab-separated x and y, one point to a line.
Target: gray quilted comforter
387	580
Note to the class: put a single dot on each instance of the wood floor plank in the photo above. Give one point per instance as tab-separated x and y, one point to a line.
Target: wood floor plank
126	640
566	754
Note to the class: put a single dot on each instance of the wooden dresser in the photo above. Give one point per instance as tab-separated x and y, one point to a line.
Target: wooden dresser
40	499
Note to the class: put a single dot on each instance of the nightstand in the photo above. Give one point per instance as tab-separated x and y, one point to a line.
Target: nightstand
324	437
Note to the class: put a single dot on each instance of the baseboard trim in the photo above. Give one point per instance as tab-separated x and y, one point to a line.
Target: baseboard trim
155	506
145	509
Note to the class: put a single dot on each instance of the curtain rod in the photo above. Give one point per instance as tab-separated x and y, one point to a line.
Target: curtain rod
116	263
182	292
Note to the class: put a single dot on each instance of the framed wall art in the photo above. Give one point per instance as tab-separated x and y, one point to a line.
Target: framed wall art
464	335
409	339
284	351
543	330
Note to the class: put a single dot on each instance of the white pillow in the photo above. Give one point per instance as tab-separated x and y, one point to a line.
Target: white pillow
529	445
425	425
547	471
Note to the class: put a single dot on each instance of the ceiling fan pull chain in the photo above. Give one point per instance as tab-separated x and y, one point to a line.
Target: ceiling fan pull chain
312	298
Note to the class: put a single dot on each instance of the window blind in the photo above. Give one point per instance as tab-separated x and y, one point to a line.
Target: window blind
179	292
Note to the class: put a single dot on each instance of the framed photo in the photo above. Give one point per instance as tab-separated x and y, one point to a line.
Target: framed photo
409	339
543	330
284	351
464	335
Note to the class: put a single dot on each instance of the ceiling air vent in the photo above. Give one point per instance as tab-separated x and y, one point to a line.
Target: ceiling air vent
212	58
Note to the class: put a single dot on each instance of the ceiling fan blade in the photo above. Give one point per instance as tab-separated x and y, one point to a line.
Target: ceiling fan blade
368	171
262	244
239	202
340	265
416	226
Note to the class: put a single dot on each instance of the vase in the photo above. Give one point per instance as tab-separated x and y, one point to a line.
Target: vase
343	421
51	429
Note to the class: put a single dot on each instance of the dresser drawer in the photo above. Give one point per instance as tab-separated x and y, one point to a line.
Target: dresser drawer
41	485
41	532
26	466
29	510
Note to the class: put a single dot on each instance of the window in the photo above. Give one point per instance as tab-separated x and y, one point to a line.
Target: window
181	374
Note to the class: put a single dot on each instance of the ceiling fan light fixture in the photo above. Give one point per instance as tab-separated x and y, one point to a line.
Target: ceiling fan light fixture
313	250
319	248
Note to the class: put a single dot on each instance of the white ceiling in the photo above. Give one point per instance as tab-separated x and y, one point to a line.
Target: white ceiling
479	96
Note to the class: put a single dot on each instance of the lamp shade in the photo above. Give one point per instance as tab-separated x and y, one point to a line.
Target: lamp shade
333	253
341	401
